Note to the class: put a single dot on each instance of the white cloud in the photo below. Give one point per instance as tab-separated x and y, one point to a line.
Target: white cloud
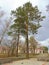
45	42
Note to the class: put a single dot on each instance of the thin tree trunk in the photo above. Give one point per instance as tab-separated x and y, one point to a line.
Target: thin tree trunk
34	51
27	50
13	47
17	44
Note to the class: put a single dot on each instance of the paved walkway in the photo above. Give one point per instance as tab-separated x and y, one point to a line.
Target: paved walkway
28	62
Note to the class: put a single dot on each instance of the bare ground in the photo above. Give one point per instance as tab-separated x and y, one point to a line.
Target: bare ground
31	61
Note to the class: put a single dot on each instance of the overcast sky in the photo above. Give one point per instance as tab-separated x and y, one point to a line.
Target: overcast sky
43	32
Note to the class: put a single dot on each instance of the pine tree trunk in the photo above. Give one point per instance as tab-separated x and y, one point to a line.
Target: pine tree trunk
17	45
27	50
34	51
